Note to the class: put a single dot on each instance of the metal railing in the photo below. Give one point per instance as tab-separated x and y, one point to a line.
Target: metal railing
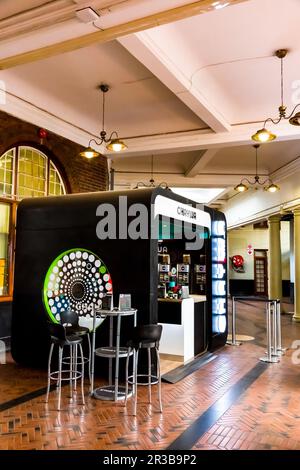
273	326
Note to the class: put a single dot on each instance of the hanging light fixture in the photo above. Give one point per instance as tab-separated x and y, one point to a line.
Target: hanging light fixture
112	142
264	135
151	183
267	183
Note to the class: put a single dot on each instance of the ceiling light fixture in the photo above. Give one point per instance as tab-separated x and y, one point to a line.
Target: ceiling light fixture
264	135
267	183
151	183
114	144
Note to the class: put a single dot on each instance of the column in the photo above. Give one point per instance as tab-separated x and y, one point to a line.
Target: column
296	316
275	271
292	261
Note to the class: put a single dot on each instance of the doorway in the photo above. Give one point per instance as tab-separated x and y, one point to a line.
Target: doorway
261	272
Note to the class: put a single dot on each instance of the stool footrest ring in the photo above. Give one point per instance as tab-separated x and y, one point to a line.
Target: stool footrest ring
71	375
154	379
67	359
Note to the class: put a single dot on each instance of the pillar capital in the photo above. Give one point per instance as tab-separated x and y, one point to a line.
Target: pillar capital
296	211
275	218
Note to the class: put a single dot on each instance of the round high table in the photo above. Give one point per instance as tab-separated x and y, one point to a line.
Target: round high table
112	391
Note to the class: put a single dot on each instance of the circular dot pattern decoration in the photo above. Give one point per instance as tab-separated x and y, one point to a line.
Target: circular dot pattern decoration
75	281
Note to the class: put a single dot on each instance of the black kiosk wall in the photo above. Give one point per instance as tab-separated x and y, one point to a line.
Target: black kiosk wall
48	227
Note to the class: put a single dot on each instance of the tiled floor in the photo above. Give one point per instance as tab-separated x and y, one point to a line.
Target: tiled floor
265	415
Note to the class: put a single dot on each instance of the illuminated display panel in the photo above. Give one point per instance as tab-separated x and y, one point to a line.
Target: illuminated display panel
219	277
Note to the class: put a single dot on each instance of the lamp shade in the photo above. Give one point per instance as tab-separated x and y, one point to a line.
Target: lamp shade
241	188
272	188
89	153
263	135
116	145
295	120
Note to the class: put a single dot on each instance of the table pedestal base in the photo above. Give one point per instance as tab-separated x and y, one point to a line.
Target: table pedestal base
107	392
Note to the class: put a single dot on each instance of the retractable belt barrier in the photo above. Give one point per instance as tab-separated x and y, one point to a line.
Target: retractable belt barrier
273	327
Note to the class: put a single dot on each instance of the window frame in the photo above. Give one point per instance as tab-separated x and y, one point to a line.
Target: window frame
13	201
11	246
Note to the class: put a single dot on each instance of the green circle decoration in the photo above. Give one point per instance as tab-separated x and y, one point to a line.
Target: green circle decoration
75	280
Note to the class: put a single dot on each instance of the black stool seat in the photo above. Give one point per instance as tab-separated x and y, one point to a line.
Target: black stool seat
76	330
70	339
141	344
70	320
143	334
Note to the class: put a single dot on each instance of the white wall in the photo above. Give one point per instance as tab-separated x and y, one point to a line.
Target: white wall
239	239
251	206
285	250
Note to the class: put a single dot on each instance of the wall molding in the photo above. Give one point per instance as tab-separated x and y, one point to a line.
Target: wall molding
286	170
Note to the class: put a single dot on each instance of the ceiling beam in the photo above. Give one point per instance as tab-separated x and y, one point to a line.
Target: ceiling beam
145	49
201	140
140	24
200	162
145	145
179	180
48	14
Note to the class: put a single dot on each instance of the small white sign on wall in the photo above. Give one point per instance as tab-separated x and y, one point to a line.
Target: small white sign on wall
250	250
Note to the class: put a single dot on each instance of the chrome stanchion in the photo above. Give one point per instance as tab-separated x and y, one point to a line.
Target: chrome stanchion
233	341
274	329
269	357
280	349
93	351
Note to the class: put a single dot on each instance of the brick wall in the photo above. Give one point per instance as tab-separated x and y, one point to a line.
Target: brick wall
79	174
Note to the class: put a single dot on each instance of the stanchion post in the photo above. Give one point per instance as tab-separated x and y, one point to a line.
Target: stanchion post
93	350
273	305
233	341
280	349
233	320
269	357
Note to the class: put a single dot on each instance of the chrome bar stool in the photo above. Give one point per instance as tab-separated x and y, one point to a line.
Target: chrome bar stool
144	337
70	321
59	337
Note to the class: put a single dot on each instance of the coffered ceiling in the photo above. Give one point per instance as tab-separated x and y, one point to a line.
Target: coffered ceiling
191	91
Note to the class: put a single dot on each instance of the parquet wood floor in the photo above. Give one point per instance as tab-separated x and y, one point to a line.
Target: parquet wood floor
267	415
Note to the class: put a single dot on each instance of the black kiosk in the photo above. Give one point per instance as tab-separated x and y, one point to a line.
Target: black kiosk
61	263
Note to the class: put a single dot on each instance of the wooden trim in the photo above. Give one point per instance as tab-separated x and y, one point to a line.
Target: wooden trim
16	170
134	26
265	260
11	247
171	357
4	298
6	200
48	176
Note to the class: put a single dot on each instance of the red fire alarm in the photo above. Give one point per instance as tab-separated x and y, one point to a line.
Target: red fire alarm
43	134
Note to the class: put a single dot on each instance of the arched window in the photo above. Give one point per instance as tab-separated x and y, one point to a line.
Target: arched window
24	172
27	172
